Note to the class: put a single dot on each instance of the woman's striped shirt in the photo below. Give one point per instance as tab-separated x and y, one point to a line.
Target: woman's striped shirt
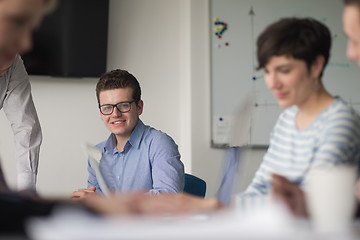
332	138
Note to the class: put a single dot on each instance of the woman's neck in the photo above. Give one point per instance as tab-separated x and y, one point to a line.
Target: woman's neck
314	105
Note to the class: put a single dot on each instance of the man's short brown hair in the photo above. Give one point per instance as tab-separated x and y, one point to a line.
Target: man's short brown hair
118	79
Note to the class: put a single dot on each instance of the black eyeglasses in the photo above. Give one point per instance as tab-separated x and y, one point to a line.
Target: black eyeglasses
123	107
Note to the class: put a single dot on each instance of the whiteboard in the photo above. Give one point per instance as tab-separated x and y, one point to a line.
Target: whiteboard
233	61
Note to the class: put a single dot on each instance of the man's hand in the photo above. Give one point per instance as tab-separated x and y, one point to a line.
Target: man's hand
291	194
83	193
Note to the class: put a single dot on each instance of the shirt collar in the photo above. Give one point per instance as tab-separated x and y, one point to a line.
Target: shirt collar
134	140
137	134
110	144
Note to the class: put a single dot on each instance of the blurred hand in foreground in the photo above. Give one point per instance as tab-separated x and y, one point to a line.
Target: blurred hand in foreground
83	193
162	204
291	194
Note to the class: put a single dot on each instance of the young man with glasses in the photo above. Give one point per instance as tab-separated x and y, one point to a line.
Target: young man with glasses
135	157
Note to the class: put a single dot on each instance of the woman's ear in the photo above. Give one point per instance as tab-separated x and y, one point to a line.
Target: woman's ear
317	67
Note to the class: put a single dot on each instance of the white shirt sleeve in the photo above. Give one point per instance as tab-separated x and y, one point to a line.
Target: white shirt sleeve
19	108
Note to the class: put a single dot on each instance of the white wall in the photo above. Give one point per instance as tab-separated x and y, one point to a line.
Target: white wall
165	44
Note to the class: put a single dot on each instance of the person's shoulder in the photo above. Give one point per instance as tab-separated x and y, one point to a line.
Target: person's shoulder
156	135
342	115
158	141
289	112
17	71
18	63
102	145
342	109
287	116
18	60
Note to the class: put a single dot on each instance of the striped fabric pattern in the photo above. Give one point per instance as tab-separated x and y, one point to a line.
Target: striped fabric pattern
332	138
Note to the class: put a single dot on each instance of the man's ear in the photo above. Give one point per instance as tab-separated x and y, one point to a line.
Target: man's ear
140	107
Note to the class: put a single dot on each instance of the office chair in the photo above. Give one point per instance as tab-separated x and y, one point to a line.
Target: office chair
194	185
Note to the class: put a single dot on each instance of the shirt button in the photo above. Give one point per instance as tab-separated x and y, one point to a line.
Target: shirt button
118	177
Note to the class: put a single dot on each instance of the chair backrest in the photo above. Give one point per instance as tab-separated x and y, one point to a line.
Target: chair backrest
194	185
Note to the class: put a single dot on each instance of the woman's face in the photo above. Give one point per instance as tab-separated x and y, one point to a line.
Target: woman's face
18	19
290	80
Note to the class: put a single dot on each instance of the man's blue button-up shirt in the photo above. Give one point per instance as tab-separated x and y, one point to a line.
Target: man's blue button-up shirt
150	161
